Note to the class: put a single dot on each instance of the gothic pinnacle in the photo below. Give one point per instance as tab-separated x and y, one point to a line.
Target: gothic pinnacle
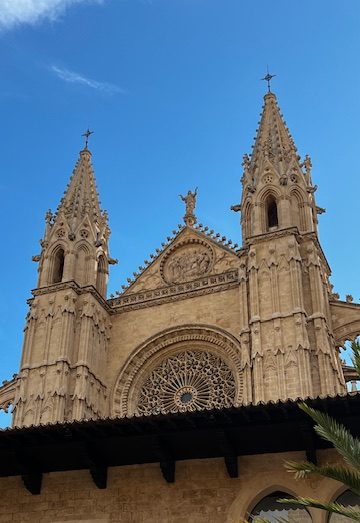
81	197
274	146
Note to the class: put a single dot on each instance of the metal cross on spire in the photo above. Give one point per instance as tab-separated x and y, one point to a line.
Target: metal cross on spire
87	135
268	78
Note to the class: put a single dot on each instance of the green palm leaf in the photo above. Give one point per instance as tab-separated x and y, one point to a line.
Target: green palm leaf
336	508
355	347
349	477
331	430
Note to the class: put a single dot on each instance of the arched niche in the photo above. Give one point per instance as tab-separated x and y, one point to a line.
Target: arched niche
298	214
57	265
268	508
247	220
179	349
82	264
271	212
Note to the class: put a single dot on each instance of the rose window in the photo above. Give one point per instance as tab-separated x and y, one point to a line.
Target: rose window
188	381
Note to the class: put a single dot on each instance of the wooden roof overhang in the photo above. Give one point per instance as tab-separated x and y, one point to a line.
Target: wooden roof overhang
96	445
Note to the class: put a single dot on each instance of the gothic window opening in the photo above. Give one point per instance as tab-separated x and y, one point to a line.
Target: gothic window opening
188	381
272	214
58	268
271	510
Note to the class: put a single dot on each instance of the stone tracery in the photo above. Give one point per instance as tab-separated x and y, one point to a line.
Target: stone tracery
213	347
187	381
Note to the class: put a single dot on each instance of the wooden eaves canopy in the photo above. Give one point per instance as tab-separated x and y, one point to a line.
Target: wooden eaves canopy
228	433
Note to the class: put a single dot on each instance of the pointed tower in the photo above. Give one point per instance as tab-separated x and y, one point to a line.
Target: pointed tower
62	375
293	350
277	188
75	244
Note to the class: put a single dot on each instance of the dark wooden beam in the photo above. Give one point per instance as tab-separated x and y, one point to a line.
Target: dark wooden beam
231	463
308	435
168	470
229	453
99	476
96	465
32	482
30	473
167	463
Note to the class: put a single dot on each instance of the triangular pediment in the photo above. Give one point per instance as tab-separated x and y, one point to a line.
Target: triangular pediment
191	254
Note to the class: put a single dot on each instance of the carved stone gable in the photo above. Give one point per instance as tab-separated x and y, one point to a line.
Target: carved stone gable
191	255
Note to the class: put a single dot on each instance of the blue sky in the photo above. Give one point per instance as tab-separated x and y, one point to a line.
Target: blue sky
172	90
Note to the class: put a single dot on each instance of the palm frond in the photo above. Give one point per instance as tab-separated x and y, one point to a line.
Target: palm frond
349	477
331	430
355	347
335	508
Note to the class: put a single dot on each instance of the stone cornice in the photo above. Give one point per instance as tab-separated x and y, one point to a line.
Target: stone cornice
314	237
253	240
56	287
65	361
205	285
345	304
285	232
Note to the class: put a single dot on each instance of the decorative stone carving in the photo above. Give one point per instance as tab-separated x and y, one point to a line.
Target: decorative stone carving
187	262
283	180
150	355
268	178
190	202
187	381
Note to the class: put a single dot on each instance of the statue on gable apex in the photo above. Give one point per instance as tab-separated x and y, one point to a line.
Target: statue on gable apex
190	203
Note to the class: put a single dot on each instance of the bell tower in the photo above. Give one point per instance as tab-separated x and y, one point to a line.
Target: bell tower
62	374
277	189
292	346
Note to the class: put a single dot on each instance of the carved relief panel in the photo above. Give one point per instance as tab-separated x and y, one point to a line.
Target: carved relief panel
186	262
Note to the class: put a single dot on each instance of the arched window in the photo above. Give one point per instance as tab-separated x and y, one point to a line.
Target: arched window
101	276
58	267
269	508
348	499
272	214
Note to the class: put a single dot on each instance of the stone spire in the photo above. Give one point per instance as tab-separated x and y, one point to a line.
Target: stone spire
81	197
277	187
78	232
274	146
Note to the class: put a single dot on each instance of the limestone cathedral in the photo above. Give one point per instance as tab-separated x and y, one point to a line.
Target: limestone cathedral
177	400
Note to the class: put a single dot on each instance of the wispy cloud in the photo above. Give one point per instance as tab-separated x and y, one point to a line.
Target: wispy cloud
77	78
17	12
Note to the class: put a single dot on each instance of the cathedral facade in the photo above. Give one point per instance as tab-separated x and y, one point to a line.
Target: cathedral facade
205	329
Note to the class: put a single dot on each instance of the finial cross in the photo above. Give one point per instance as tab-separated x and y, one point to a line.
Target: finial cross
87	135
268	78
